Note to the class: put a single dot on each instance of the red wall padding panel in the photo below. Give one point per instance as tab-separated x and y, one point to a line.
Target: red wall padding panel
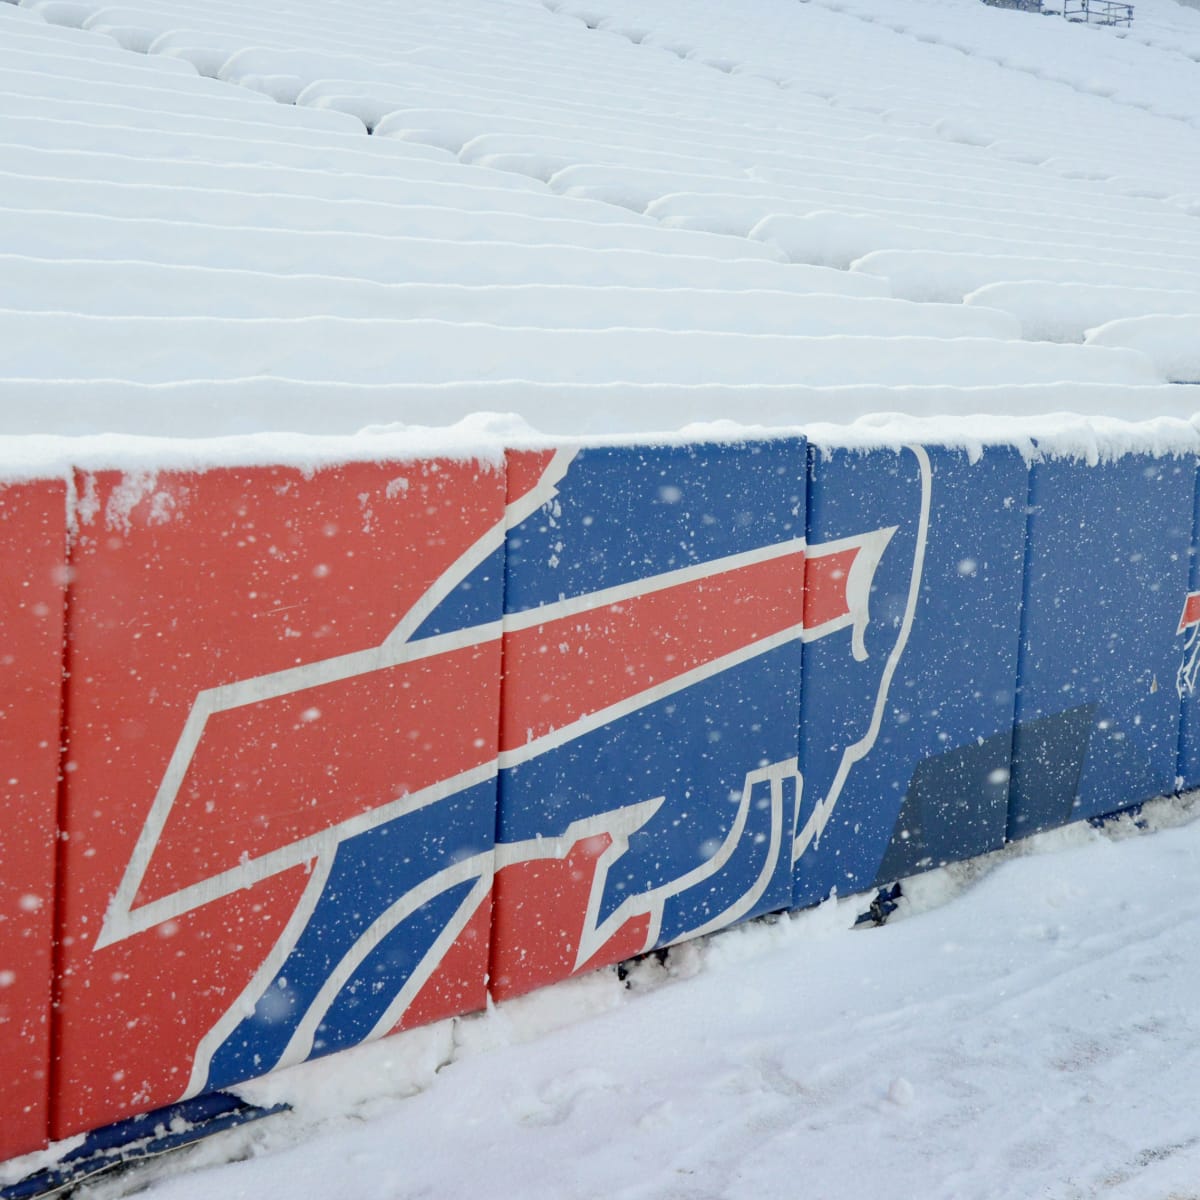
238	678
33	550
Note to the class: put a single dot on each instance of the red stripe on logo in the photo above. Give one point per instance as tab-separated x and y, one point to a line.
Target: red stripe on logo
825	586
1191	612
269	774
565	670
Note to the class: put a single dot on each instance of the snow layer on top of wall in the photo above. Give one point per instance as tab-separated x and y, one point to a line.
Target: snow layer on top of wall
1089	440
481	438
609	217
484	437
184	416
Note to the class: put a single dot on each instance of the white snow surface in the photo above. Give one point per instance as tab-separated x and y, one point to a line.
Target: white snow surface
1024	1026
242	233
224	219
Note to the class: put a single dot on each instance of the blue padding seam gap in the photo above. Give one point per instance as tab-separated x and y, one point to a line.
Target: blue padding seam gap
1022	638
1193	585
806	461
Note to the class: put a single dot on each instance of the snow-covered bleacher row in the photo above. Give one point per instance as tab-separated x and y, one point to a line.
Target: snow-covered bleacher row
434	207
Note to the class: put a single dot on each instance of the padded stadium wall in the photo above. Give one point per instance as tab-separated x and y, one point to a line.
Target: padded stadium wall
302	753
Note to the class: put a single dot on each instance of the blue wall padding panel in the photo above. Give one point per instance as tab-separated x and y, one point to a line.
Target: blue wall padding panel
1187	675
1107	574
905	753
719	528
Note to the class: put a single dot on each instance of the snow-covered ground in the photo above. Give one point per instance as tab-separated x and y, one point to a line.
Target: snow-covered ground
1026	1025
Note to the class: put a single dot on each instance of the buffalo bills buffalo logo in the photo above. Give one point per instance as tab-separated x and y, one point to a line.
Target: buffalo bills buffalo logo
648	610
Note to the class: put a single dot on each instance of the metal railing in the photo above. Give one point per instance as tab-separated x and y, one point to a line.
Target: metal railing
1098	12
